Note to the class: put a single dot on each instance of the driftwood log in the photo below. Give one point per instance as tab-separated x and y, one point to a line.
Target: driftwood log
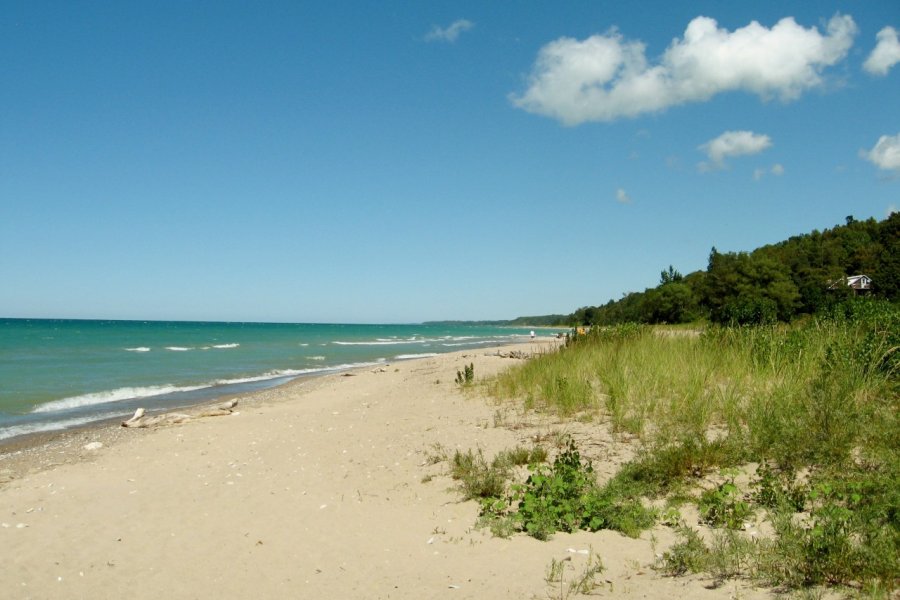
140	419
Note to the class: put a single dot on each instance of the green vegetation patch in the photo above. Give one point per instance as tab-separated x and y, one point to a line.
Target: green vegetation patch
815	404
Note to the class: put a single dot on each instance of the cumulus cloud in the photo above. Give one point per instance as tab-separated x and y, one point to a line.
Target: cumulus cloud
607	77
449	33
777	170
732	143
886	153
886	53
622	196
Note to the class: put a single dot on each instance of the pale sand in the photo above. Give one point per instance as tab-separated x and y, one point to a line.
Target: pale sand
317	489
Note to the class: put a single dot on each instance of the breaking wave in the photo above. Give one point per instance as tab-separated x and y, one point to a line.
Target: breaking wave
17	430
134	393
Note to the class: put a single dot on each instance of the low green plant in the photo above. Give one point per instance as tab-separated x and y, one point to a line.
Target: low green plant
664	469
729	554
466	376
583	583
850	535
520	456
566	497
735	554
553	498
671	517
724	506
847	536
778	489
690	555
478	479
500	524
436	454
555	570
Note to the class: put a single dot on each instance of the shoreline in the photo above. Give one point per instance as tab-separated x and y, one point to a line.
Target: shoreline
35	451
42	436
337	486
94	370
24	453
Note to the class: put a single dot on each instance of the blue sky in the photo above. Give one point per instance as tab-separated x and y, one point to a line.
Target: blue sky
408	161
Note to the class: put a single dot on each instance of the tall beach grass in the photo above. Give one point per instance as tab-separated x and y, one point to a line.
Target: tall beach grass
818	397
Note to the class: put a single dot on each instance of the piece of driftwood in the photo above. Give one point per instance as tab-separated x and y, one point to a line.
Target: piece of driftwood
140	419
512	354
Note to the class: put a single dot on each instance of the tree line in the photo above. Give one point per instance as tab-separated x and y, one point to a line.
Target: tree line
778	282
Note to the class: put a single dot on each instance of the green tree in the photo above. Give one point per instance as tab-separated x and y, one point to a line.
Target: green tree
745	289
673	302
886	275
670	276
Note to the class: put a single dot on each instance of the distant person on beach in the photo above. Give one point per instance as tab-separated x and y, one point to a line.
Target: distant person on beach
532	334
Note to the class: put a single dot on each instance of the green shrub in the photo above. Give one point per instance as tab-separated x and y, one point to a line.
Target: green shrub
566	497
552	498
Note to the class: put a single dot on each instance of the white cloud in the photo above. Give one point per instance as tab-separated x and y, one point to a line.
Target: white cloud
733	143
622	197
886	153
891	209
886	53
449	33
606	77
777	170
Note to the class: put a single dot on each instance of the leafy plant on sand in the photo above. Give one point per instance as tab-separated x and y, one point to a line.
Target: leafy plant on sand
566	497
724	506
563	496
487	481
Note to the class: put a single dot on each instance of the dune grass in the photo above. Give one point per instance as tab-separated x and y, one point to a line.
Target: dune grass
818	398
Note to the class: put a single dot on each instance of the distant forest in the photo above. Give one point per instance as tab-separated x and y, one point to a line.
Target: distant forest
540	321
779	282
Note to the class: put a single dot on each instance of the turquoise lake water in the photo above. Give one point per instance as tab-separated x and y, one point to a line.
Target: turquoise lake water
56	374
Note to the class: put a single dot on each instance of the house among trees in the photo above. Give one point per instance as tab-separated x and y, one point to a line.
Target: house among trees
860	284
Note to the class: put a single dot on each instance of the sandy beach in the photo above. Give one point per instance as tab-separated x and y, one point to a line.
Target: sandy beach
321	488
